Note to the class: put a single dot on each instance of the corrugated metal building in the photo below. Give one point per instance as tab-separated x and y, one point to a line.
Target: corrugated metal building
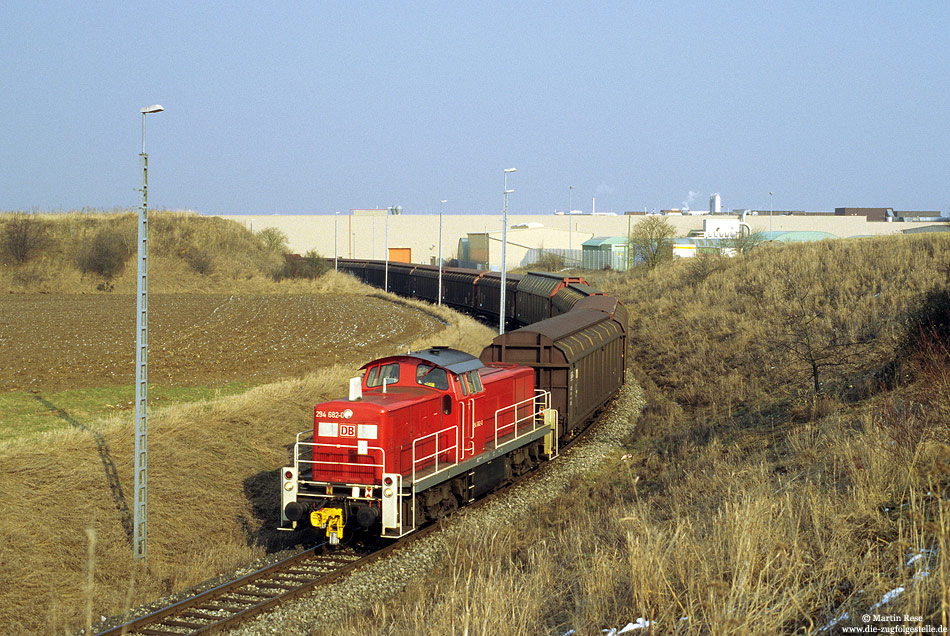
602	252
928	228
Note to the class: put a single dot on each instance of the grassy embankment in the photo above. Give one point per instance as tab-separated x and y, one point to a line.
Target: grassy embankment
213	461
747	503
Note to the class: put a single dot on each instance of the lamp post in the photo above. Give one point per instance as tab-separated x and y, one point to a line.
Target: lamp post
139	534
441	204
504	244
770	216
570	241
336	260
396	209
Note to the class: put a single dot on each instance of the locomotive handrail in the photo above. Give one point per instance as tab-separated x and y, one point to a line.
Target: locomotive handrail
544	397
449	464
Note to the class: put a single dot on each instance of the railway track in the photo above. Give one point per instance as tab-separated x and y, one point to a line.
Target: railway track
226	606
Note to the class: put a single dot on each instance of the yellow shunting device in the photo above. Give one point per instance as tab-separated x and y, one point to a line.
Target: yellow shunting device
332	518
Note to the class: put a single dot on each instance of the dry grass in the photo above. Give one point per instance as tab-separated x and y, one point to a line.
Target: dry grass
745	505
720	342
212	470
208	467
187	253
213	475
725	541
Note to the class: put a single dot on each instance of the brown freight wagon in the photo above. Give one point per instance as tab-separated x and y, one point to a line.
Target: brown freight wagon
400	278
458	288
425	283
488	295
607	304
565	298
535	293
579	357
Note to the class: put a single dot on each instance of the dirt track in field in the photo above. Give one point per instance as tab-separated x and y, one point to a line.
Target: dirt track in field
52	342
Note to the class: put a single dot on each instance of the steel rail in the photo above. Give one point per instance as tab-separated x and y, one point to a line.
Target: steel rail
184	613
296	582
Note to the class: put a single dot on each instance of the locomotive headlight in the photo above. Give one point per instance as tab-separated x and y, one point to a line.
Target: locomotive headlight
289	486
388	492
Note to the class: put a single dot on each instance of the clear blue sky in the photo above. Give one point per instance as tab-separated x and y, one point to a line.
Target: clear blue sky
300	107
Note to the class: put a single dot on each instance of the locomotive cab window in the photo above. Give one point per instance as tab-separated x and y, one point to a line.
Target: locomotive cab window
384	372
474	381
428	375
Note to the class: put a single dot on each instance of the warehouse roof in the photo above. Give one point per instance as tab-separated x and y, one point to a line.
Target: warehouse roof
600	241
796	237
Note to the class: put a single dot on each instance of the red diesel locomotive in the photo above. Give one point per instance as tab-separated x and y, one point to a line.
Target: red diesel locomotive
420	434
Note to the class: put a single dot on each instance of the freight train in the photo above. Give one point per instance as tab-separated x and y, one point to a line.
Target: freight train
424	432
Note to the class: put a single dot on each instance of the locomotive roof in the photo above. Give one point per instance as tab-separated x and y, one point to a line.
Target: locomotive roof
449	359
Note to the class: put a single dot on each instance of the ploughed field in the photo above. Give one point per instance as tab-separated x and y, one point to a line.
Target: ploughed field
54	342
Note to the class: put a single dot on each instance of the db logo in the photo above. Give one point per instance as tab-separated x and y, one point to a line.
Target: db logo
347	430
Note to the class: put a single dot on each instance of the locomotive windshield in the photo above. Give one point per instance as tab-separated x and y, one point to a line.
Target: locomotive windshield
428	375
388	372
475	381
470	382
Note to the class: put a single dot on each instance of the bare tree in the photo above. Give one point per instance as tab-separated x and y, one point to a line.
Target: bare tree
274	239
23	237
811	331
651	240
744	242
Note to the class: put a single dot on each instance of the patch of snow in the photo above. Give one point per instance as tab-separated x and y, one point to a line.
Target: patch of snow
890	596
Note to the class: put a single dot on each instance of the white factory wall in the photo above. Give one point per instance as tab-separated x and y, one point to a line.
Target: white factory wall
365	236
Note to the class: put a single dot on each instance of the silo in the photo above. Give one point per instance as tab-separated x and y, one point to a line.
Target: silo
715	204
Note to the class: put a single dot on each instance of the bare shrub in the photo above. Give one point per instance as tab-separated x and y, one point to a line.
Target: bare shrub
703	265
309	266
23	237
744	242
549	262
199	260
105	254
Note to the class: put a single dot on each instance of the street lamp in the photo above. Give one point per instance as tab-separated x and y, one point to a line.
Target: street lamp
570	242
770	216
441	203
336	261
396	209
140	485
504	244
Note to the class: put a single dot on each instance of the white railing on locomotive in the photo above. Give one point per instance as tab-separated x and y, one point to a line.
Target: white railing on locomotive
534	415
418	463
361	450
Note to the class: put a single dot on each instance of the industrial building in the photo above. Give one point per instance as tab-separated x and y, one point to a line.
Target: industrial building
376	234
